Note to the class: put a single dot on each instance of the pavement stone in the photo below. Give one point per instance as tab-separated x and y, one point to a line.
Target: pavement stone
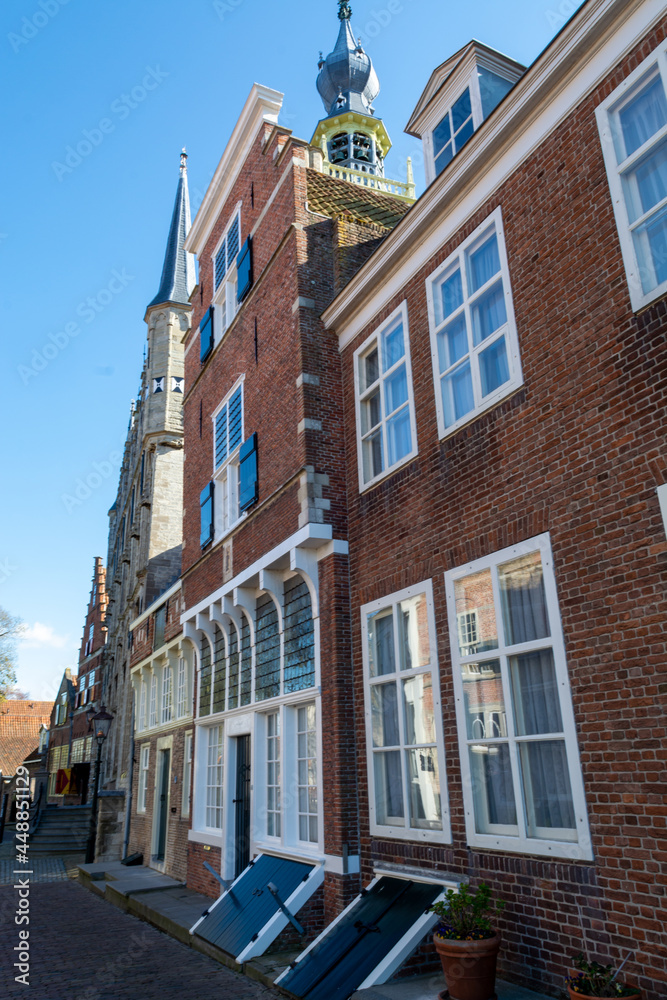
82	948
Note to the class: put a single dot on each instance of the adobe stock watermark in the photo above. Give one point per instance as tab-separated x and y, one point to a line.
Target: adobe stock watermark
86	485
562	13
7	569
31	26
88	310
121	108
224	7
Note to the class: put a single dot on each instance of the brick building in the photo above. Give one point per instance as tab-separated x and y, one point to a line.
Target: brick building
162	665
502	358
69	741
22	727
145	522
283	224
424	512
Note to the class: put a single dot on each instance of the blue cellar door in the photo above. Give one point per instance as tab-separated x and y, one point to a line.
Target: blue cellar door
248	916
362	938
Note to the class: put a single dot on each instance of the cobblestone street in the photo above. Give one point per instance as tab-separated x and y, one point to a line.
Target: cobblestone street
83	948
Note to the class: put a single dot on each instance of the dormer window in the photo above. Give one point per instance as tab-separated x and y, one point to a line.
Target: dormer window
453	131
461	93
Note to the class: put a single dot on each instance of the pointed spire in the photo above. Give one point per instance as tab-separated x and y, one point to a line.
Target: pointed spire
178	271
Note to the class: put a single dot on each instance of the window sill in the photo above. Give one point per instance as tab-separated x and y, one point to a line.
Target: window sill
470	418
364	487
568	850
208	838
415	836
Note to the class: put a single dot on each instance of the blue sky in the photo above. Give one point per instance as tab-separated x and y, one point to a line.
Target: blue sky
82	234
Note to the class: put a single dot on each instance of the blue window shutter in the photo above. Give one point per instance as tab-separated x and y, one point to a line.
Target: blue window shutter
206	335
221	436
206	508
235	419
232	242
248	489
220	263
244	270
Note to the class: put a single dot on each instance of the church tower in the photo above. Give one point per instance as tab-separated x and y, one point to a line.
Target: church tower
353	141
146	520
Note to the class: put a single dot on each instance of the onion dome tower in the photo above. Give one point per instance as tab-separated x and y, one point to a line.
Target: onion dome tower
353	141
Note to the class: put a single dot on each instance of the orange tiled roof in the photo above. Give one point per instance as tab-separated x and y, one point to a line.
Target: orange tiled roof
20	722
331	196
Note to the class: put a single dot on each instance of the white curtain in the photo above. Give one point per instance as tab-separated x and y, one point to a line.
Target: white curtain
644	116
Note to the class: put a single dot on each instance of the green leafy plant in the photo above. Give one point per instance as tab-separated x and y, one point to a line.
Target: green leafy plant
465	916
595	980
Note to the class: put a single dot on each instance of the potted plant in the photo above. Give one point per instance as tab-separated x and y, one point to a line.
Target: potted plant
589	979
467	943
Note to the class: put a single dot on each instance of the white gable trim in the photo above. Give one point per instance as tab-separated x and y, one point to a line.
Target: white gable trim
578	59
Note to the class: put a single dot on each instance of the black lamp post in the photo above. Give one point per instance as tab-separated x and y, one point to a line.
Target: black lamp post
99	723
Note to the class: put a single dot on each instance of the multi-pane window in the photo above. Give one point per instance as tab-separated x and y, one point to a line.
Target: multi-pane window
181	689
233	676
522	779
77	751
473	334
167	710
187	774
306	735
403	718
633	128
452	133
141	717
228	436
143	778
152	706
224	266
273	796
160	620
214	777
386	433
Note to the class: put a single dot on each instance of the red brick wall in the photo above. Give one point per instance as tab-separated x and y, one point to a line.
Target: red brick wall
199	878
575	452
143	636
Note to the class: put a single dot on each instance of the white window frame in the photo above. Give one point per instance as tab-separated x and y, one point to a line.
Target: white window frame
225	305
272	743
152	701
406	832
521	843
142	791
606	114
226	476
187	774
182	688
206	731
289	840
459	257
399	315
167	699
450	95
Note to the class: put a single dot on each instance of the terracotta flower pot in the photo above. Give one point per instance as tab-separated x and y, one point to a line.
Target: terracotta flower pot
469	966
635	995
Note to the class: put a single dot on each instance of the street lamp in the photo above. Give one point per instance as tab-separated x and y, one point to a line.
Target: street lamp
99	723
